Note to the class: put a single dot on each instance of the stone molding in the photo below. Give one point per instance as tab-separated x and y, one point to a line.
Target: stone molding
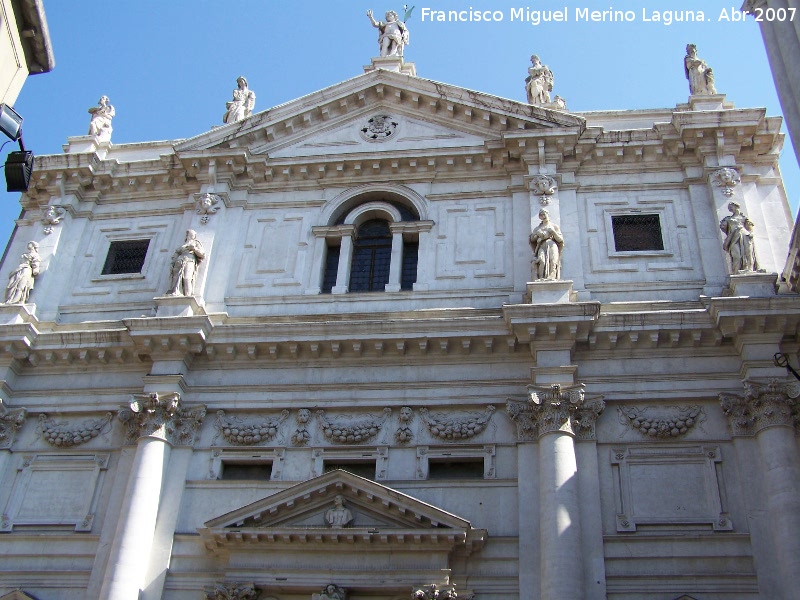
161	416
556	408
656	422
765	403
450	428
248	432
233	591
63	434
11	420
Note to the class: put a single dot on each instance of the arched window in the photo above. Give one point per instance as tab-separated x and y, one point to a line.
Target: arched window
370	247
372	257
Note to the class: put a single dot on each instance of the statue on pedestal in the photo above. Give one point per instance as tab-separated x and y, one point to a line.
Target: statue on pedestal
738	244
100	124
20	282
241	107
392	34
700	76
547	244
185	262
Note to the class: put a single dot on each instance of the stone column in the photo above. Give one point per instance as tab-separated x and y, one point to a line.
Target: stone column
765	411
317	266
559	498
154	423
396	264
345	260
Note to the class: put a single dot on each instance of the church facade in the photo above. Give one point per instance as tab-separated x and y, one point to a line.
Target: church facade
402	339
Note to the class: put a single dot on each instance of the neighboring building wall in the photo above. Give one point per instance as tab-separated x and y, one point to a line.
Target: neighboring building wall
24	45
175	444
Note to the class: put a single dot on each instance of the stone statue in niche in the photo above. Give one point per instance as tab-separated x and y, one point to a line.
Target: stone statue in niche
547	244
20	282
185	262
700	76
100	124
539	82
392	34
241	107
330	592
339	516
738	243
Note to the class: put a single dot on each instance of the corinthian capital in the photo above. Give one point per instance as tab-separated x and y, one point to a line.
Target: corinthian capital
764	404
554	406
10	422
161	416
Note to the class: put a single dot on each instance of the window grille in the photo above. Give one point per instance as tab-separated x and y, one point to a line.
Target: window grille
125	257
247	471
458	468
637	233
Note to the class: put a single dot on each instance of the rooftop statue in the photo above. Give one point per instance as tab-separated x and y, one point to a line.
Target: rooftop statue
392	33
100	125
700	76
539	82
241	107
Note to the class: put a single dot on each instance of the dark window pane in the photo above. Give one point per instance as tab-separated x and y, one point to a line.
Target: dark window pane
125	257
634	233
331	268
365	469
408	277
470	468
372	255
247	471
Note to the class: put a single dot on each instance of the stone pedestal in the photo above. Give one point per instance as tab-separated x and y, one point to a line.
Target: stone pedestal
754	285
546	291
86	143
15	314
178	306
392	63
715	102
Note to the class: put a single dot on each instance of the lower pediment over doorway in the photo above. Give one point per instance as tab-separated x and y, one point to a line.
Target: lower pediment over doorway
365	539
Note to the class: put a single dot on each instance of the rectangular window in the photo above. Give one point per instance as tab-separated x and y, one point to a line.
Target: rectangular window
331	268
125	257
408	275
456	468
250	471
637	233
362	468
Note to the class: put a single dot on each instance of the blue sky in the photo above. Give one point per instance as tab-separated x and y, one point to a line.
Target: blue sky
169	66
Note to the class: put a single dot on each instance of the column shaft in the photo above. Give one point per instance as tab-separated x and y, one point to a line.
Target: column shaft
133	541
528	491
345	259
396	264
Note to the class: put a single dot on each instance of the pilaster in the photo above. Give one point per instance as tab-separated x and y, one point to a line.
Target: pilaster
768	411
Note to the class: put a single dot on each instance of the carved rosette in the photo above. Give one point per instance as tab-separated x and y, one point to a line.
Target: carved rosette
233	591
669	422
11	420
161	416
248	432
544	187
726	178
207	206
450	428
63	435
354	432
403	434
764	404
379	128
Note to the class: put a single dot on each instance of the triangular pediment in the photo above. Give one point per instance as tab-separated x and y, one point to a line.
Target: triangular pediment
301	513
428	114
17	595
305	504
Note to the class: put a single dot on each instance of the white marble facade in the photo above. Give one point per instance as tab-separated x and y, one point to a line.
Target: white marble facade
616	429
